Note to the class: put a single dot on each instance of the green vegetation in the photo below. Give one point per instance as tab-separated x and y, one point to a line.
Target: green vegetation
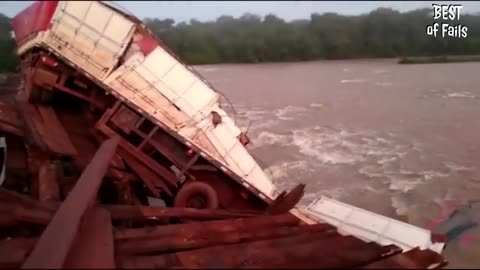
381	33
8	58
251	39
439	59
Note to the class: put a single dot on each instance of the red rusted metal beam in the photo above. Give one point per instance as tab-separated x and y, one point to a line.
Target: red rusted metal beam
208	238
123	212
412	259
60	233
93	247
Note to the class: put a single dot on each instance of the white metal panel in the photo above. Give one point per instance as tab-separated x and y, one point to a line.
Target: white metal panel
90	35
223	139
370	226
260	181
160	62
242	158
179	79
196	99
228	122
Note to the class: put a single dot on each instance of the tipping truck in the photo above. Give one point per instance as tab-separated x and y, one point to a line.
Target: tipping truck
103	73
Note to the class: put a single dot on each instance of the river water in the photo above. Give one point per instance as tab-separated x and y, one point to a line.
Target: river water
398	140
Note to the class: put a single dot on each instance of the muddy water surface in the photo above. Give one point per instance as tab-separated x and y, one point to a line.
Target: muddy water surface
399	140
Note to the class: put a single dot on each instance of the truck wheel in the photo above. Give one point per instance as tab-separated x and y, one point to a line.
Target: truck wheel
197	195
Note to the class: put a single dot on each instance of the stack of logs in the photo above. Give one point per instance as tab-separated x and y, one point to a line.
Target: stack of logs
81	232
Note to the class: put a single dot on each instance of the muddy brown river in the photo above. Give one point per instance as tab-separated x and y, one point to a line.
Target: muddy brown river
399	140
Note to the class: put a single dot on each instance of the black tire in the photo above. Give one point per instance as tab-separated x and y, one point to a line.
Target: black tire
197	195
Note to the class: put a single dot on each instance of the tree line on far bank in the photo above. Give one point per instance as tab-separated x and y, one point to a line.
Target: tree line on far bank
251	39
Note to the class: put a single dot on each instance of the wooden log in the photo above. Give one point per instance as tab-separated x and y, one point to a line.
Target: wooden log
225	256
7	219
14	251
412	259
336	255
206	238
31	119
9	114
44	129
218	225
142	213
57	136
149	178
27	201
48	188
20	213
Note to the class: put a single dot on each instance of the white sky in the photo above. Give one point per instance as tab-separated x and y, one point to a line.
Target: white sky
288	10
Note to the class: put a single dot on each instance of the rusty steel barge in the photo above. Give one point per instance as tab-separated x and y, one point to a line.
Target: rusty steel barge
117	155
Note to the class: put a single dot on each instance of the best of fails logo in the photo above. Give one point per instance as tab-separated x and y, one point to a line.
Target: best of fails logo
447	13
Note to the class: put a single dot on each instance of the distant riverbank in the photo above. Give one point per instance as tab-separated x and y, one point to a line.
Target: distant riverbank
439	59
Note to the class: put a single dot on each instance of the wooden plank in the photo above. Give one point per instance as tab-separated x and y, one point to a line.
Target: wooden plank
125	212
206	238
412	259
18	212
93	247
60	233
44	129
94	102
221	226
148	177
48	189
57	135
258	253
158	169
4	127
27	201
14	251
31	118
10	117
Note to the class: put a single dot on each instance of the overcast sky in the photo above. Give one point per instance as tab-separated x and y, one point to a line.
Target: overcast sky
288	10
